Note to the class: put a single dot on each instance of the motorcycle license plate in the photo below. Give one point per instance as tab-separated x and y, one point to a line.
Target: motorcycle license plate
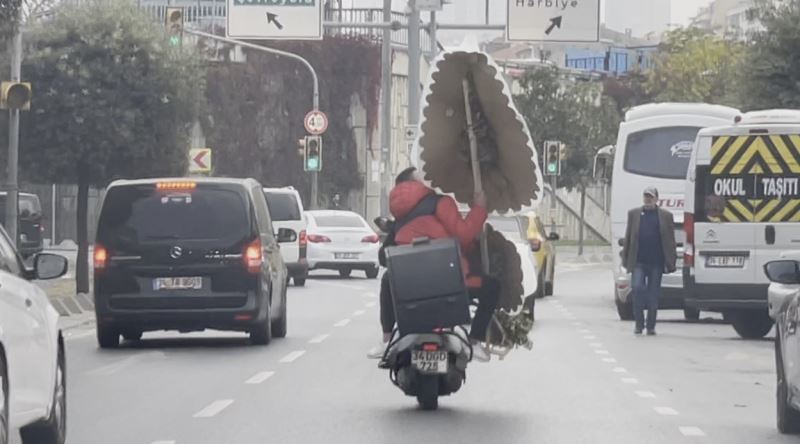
430	361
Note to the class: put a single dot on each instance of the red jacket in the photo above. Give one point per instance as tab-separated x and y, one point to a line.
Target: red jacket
447	221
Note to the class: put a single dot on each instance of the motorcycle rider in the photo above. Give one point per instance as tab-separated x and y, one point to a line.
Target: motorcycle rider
420	212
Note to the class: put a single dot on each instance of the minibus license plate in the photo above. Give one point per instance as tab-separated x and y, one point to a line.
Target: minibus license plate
178	283
725	262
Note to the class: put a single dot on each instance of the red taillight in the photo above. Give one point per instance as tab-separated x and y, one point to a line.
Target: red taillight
253	257
318	238
372	238
100	257
536	244
688	248
303	238
430	347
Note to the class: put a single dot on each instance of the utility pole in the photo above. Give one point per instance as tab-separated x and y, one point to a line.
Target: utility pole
314	78
386	107
12	198
414	55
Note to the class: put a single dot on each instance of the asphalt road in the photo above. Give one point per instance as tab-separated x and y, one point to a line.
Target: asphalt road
588	379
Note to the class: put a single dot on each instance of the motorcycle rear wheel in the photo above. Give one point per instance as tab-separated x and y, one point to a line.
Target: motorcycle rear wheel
428	392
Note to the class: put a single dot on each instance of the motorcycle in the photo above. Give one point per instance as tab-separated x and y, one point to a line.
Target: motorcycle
426	365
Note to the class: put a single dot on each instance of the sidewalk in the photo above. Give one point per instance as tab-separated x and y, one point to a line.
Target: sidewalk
591	254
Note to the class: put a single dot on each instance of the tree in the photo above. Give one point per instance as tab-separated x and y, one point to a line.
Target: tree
772	68
693	65
112	100
576	113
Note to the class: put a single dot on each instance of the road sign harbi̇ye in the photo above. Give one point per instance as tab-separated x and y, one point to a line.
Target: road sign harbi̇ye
275	19
553	20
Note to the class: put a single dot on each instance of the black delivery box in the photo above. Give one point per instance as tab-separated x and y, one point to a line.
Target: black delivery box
428	287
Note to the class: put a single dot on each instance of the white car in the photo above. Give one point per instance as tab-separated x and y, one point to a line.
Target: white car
32	362
341	241
286	211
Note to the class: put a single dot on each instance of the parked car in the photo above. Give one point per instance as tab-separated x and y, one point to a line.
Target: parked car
784	307
544	251
286	209
341	241
188	255
30	225
32	362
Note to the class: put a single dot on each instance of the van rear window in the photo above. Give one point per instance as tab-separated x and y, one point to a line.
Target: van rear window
283	207
142	214
660	152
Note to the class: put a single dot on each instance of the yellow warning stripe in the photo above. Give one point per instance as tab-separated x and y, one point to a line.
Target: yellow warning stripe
761	216
719	168
742	209
757	147
718	145
729	216
787	209
786	152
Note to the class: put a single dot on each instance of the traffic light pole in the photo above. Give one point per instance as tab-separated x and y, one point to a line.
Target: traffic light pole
306	63
12	179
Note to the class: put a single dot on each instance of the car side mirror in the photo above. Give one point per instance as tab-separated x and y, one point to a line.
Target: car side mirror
783	272
382	223
286	235
553	237
49	266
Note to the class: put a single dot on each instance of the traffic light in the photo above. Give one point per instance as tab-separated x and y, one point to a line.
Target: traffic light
552	154
174	23
312	160
15	95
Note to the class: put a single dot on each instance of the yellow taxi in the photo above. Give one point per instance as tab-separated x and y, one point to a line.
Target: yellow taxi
544	252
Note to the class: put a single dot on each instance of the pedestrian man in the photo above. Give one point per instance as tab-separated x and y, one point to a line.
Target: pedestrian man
648	252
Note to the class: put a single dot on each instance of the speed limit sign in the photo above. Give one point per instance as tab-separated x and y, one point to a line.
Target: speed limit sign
316	122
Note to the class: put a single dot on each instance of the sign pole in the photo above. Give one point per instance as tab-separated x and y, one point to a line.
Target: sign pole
12	204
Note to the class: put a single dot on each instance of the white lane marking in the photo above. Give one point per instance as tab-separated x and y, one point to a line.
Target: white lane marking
318	339
590	337
291	357
163	442
646	395
666	411
342	323
620	370
358	312
214	408
110	369
369	294
596	344
691	431
337	284
371	304
258	378
629	380
76	336
610	360
601	352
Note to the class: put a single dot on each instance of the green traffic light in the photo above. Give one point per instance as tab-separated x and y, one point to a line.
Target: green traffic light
312	163
551	168
174	40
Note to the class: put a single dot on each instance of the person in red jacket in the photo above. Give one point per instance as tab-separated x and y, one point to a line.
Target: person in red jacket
425	214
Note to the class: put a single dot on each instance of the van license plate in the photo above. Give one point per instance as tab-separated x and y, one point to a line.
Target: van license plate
345	255
432	362
178	283
725	262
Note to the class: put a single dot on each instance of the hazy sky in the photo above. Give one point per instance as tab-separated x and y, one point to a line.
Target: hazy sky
683	10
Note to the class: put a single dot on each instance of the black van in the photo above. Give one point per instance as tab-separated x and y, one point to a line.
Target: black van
188	255
30	226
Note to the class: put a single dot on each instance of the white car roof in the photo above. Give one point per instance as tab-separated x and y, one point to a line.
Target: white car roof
771	116
283	190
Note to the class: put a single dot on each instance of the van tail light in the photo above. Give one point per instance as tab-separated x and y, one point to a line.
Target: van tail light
536	244
253	257
688	248
100	257
318	238
303	238
372	239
